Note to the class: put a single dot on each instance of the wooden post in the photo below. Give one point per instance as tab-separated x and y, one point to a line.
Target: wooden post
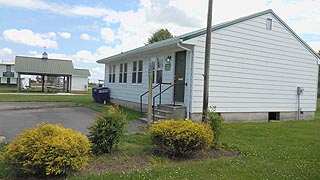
45	83
42	83
207	63
64	83
19	82
70	77
68	83
150	72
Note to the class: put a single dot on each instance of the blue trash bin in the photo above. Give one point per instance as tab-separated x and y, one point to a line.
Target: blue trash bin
95	95
103	95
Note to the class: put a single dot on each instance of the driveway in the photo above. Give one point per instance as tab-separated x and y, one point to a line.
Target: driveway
17	116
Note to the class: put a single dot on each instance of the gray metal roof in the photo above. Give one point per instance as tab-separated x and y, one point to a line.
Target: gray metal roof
34	65
81	72
200	32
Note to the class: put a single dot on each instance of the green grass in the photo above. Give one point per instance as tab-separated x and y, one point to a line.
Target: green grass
284	150
7	89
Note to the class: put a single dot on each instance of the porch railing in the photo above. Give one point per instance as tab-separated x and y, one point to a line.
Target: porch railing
161	92
160	89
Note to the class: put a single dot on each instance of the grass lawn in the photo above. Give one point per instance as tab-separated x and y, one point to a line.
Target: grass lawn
7	89
276	150
270	150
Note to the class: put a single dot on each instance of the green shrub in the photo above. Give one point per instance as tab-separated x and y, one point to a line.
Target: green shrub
48	149
215	121
180	137
108	130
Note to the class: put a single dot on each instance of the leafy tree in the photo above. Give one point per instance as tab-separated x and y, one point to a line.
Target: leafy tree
160	35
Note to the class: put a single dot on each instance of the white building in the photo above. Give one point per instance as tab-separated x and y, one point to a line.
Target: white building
7	74
80	80
71	79
257	64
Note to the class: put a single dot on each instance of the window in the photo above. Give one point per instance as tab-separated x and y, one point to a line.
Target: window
140	72
273	116
137	71
8	68
123	73
134	72
112	73
159	69
269	24
120	73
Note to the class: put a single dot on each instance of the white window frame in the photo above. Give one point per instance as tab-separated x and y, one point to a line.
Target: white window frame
137	72
269	24
112	73
123	73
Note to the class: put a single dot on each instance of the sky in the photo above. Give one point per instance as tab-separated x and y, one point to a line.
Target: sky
85	31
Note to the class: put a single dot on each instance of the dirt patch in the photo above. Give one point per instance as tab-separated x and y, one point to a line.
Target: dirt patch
207	155
115	162
120	162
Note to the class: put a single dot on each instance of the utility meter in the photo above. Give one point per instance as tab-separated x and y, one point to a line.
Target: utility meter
300	90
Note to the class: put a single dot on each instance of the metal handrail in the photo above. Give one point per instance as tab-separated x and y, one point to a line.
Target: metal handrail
154	97
141	96
141	113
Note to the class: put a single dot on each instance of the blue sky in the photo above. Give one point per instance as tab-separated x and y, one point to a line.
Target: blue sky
87	30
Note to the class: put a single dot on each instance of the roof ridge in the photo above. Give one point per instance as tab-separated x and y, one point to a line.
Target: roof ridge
47	59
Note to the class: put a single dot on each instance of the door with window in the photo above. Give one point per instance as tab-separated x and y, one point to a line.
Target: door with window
179	76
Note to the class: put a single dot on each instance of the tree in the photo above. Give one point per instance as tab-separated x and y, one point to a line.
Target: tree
160	35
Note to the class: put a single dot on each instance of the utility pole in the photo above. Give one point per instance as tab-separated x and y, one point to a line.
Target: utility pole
207	62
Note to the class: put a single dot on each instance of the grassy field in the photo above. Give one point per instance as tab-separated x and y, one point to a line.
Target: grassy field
275	150
270	150
7	89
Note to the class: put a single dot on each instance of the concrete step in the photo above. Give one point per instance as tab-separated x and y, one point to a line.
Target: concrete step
144	120
160	112
169	107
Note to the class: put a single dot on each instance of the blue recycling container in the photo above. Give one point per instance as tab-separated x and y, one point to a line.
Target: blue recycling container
94	95
103	95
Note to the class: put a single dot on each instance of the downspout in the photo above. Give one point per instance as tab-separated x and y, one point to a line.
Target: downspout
190	76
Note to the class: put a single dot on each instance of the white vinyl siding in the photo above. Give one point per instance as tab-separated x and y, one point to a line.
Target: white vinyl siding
255	70
79	83
132	91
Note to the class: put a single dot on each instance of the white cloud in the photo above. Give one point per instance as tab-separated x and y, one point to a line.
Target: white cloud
33	52
26	36
315	45
107	34
87	37
5	51
64	35
62	9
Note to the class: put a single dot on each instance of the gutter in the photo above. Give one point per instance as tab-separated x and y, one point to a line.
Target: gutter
190	77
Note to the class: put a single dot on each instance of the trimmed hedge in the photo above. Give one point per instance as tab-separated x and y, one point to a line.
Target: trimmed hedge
181	138
48	149
108	130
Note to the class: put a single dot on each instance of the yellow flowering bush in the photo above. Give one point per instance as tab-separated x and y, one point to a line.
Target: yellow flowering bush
180	137
48	149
